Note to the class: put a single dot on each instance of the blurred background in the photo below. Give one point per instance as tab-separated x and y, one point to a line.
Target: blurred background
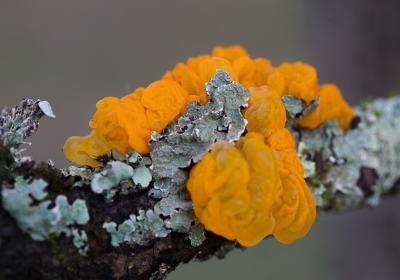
74	53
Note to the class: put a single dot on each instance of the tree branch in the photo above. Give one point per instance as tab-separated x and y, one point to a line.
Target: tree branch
342	170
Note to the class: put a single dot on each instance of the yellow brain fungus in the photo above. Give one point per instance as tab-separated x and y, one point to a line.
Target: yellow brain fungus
300	80
164	101
234	188
295	210
196	73
208	68
243	192
297	79
123	123
229	53
80	149
126	123
331	106
264	104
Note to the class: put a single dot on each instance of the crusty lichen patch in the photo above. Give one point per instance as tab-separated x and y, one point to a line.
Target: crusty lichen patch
22	121
140	229
25	198
38	220
338	157
177	147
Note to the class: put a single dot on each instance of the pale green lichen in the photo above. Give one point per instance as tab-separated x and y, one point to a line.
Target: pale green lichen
343	180
35	189
133	157
186	142
317	193
296	108
181	221
110	177
141	174
375	144
177	147
182	217
67	215
38	220
120	175
80	241
85	174
25	199
123	234
340	156
320	139
177	184
22	121
140	229
16	125
308	165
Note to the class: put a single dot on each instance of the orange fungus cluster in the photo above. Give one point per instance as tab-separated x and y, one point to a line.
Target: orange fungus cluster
297	79
234	187
246	190
125	123
256	188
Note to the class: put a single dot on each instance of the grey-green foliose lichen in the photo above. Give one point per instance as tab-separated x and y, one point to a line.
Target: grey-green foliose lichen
186	142
37	219
80	241
22	121
119	174
25	200
17	124
110	177
340	156
180	145
137	229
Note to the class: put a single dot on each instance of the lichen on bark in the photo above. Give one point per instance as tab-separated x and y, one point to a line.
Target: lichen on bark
345	170
339	157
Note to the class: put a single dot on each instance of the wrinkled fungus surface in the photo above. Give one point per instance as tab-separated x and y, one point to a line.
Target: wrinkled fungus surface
295	210
218	125
296	79
126	123
234	187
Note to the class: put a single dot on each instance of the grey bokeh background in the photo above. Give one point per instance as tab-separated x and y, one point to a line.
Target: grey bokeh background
73	53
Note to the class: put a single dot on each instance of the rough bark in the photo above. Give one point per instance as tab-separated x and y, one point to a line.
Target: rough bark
23	258
57	258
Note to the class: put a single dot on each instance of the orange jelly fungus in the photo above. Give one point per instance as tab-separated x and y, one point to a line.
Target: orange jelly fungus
196	73
331	106
233	189
80	149
297	79
126	123
300	80
244	191
295	210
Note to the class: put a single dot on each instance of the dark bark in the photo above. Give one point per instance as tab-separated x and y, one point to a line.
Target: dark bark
23	258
